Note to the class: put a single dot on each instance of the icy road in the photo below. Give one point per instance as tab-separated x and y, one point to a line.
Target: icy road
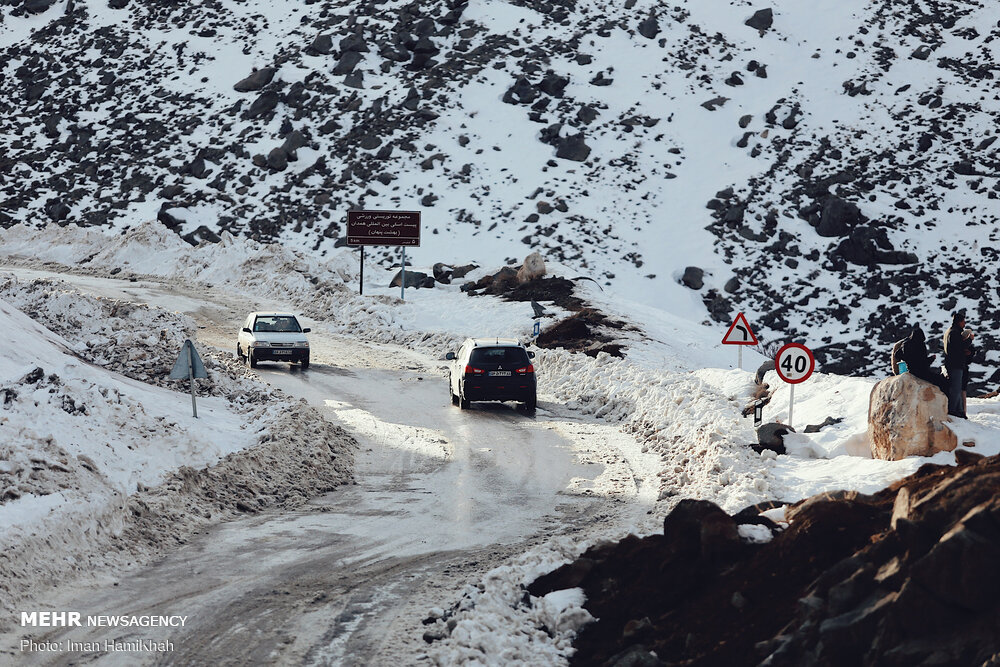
442	496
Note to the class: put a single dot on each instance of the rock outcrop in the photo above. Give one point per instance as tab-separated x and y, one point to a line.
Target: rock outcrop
906	576
532	269
907	416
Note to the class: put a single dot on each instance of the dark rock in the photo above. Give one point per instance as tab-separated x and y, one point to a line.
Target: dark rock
355	42
600	80
200	235
37	6
197	168
355	80
277	159
702	528
838	218
732	285
553	84
256	81
323	44
761	20
573	148
522	92
715	103
829	421
964	168
771	436
347	63
294	140
650	27
442	273
586	114
693	278
58	210
413	279
166	218
264	104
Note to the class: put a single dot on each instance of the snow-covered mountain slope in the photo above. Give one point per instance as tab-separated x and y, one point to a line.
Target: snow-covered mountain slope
835	158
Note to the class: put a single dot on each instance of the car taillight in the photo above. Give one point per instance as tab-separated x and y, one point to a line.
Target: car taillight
530	368
469	370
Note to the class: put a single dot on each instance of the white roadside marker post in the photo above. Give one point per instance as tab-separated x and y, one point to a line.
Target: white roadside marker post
791	403
402	282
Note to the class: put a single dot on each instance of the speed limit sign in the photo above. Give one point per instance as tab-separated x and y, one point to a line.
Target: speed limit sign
794	363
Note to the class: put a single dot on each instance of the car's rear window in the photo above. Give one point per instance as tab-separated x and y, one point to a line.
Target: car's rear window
277	323
509	356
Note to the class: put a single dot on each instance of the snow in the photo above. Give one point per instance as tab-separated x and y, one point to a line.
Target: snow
675	399
77	440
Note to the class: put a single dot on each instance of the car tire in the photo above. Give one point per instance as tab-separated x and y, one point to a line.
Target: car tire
250	358
463	403
454	398
530	405
305	363
239	352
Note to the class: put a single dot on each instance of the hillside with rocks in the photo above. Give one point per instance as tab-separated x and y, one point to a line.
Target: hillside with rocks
901	577
831	171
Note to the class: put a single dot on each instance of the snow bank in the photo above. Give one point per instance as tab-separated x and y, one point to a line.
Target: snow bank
100	469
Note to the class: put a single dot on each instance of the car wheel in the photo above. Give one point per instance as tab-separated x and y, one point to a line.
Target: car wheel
531	404
251	359
454	398
239	352
305	363
463	402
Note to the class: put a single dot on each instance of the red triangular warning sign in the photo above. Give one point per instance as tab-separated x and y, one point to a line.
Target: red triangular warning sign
739	333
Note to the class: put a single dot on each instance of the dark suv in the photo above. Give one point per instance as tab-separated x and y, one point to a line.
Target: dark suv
492	369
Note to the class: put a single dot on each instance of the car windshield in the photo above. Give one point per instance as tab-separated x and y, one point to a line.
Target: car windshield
277	323
507	356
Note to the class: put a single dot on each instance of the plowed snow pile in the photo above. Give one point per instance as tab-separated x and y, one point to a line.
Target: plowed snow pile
99	467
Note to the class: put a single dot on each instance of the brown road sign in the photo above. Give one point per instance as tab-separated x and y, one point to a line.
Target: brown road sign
388	228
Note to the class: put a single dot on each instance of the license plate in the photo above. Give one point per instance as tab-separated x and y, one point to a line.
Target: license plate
499	374
282	351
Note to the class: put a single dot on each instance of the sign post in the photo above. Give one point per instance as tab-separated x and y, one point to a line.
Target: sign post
190	366
739	334
383	228
794	363
402	280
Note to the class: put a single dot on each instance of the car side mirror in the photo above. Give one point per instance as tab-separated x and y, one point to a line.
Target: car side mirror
450	356
531	355
247	330
306	330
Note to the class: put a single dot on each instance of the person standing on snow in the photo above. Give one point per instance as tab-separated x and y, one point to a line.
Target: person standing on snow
955	363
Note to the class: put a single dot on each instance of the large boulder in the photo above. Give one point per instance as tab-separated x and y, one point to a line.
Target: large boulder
257	80
414	279
838	218
533	268
908	416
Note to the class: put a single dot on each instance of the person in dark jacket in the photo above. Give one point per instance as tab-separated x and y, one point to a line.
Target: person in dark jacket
914	352
955	363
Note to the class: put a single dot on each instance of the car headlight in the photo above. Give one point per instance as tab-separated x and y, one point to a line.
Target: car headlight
301	343
260	343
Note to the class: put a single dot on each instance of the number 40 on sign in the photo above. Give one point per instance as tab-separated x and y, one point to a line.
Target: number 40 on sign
794	363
